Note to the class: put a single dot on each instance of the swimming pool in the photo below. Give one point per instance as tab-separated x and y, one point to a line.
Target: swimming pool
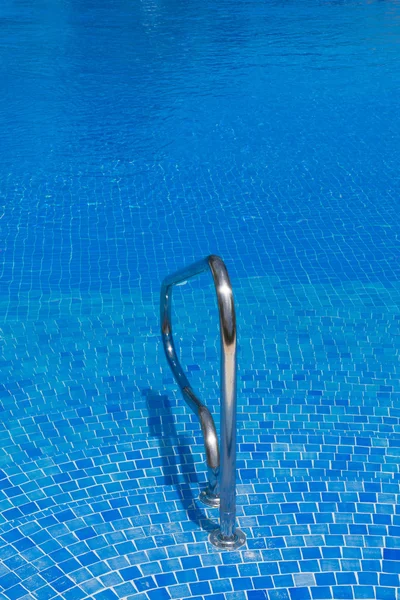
136	139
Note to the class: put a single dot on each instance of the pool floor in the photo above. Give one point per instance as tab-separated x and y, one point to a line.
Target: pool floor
101	462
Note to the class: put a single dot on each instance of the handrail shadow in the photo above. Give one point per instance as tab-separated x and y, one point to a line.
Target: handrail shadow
177	468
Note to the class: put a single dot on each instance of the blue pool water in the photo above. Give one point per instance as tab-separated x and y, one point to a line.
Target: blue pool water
137	137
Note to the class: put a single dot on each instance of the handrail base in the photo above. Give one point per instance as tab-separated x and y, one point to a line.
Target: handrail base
210	499
222	543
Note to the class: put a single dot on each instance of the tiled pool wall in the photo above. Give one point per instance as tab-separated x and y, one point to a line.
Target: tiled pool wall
122	226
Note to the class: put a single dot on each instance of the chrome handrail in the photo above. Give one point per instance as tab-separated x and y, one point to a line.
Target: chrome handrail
221	489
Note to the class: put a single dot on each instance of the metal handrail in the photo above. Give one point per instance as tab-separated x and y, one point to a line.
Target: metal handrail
221	489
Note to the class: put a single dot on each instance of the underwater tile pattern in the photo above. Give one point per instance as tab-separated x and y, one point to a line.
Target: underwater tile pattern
101	462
